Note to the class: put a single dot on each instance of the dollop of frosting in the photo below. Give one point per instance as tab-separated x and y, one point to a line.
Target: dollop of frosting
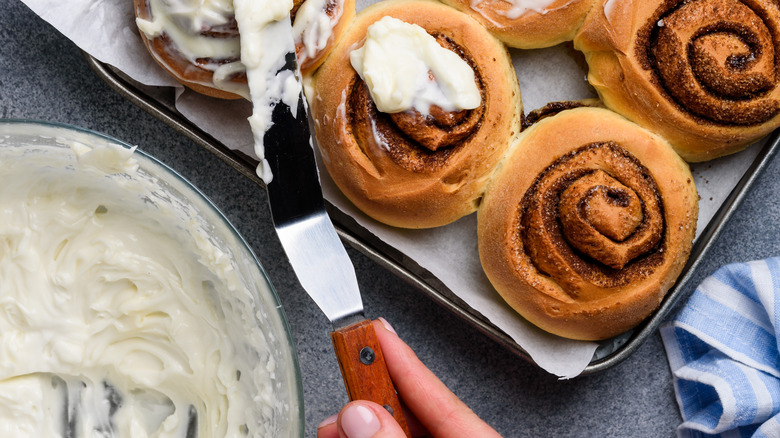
406	68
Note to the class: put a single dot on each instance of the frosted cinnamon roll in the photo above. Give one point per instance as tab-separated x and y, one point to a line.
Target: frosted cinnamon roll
413	147
528	24
197	41
702	73
587	223
317	25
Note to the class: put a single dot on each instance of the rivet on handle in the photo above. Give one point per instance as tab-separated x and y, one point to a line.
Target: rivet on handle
367	356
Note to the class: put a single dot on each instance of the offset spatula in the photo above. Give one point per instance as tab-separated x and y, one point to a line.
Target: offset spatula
318	256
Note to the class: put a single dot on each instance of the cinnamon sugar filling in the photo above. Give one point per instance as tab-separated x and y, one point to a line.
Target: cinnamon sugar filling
595	212
716	60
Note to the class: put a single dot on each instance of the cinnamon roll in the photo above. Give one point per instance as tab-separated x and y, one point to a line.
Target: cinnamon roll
317	25
701	73
587	223
528	24
198	41
425	165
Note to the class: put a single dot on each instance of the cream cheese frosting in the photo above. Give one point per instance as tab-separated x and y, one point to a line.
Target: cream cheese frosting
404	68
184	21
313	27
263	41
266	38
114	319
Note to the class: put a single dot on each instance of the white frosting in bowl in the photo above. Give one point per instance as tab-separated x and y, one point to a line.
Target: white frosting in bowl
129	307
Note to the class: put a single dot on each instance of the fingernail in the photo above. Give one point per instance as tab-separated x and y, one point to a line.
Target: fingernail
328	421
358	421
387	325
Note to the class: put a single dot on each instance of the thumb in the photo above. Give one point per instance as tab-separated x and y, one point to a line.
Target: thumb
365	419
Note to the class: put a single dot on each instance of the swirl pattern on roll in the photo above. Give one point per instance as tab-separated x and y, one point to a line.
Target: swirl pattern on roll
717	59
595	211
702	73
410	169
587	223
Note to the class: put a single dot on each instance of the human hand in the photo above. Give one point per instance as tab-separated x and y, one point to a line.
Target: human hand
431	409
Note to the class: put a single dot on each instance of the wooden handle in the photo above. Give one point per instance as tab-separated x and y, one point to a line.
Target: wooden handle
364	370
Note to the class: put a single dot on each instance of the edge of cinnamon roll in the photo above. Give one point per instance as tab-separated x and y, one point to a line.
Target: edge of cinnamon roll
527	25
702	74
409	169
314	44
587	223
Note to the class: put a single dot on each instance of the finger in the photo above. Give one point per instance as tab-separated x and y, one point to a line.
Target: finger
415	427
365	419
328	428
440	411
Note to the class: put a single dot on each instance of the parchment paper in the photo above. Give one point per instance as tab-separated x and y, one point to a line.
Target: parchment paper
106	30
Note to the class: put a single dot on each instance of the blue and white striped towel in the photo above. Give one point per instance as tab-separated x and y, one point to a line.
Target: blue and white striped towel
723	353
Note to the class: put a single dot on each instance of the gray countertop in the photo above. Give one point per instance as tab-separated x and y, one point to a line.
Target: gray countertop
43	76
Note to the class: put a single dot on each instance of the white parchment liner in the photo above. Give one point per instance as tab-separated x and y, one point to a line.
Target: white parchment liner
107	31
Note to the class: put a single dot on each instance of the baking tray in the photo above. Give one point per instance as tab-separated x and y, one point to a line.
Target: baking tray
159	101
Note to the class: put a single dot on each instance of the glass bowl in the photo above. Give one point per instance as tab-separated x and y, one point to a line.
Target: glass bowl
128	300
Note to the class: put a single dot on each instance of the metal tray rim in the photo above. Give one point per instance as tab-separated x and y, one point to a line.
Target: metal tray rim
348	229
